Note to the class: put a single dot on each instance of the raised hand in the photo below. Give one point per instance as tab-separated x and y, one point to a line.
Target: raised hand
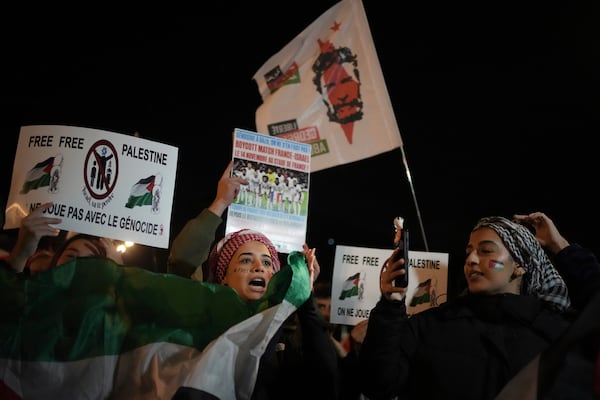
33	227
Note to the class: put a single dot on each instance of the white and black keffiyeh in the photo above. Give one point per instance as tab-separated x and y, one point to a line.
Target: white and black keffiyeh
541	278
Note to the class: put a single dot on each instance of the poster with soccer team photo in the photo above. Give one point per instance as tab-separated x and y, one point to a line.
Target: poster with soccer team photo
275	201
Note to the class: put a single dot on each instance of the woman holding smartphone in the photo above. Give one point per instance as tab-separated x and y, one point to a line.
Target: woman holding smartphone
516	306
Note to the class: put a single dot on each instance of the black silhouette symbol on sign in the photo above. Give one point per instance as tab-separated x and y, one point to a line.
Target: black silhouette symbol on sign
101	169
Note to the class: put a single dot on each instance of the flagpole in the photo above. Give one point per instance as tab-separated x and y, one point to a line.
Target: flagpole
412	190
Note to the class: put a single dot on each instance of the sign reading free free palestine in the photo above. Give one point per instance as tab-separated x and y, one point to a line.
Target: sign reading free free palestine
355	283
101	183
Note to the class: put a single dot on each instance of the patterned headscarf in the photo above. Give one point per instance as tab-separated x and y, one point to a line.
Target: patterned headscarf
541	278
221	254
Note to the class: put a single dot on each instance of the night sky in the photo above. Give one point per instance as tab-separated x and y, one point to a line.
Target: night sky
497	106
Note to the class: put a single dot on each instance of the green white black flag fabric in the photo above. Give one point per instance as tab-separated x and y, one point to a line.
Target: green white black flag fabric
93	329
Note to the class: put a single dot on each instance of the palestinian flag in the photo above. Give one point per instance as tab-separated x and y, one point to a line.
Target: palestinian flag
141	193
422	294
93	329
350	287
38	176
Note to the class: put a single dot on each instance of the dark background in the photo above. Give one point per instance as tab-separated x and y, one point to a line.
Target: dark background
497	105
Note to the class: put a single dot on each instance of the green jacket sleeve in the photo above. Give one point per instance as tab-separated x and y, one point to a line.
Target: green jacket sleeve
191	246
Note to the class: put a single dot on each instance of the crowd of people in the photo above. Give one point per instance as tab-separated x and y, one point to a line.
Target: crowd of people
529	305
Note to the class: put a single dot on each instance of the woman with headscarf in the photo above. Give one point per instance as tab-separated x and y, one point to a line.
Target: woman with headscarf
515	306
301	352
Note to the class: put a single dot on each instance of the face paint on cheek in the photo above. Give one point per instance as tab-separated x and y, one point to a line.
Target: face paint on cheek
497	265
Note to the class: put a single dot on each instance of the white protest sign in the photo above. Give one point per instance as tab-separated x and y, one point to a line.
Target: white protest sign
101	183
355	284
275	202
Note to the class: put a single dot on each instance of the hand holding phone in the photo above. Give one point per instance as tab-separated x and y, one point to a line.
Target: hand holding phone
401	242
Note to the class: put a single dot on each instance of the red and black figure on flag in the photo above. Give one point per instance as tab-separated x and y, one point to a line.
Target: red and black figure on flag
515	307
338	81
327	80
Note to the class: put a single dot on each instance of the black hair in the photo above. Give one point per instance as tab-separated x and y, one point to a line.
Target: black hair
322	289
94	243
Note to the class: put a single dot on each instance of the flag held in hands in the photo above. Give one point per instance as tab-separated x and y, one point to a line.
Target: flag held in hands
326	88
92	329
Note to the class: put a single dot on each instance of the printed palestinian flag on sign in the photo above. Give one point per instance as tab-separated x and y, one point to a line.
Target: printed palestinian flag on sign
422	295
141	193
350	287
93	329
38	176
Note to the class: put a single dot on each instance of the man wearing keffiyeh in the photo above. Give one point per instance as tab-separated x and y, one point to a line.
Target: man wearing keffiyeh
516	306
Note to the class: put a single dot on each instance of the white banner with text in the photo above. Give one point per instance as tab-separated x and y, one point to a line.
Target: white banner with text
101	183
355	284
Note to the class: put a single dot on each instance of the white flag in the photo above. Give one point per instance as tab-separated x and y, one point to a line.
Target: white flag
326	88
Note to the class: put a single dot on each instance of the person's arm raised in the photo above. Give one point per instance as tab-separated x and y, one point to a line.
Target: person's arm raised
33	227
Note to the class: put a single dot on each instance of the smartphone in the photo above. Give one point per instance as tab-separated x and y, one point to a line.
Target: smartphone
402	281
401	242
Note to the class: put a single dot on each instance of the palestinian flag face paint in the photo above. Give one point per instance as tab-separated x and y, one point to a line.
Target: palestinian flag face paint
496	265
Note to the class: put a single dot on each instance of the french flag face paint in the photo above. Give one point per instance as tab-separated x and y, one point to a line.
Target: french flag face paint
496	265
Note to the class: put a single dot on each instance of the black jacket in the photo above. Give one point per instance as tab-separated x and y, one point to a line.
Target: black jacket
302	361
467	348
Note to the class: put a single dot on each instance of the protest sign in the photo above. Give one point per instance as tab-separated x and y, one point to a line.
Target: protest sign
275	202
101	183
355	284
